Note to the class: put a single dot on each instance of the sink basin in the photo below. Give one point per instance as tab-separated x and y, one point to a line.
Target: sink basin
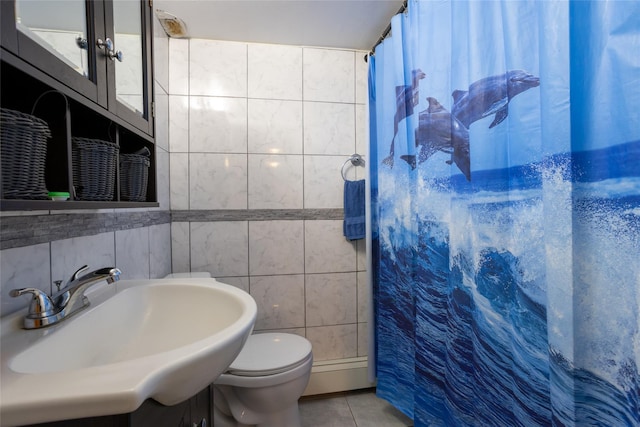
161	339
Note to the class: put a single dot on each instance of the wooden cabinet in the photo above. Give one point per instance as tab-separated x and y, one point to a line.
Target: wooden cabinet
190	413
194	412
85	68
98	48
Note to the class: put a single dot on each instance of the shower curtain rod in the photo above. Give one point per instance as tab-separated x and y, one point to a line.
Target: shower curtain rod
387	30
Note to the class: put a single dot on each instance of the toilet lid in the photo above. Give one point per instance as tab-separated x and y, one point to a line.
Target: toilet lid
269	354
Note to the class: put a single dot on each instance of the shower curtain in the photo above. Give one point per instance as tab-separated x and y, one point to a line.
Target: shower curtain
505	186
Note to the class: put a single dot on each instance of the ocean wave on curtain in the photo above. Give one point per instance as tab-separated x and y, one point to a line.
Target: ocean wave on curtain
505	148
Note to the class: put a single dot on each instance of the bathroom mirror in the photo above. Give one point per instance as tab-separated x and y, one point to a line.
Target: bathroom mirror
58	26
127	21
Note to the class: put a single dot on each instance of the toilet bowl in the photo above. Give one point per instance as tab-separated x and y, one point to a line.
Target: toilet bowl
263	384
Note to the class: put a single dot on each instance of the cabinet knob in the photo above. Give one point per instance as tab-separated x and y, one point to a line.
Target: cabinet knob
109	48
113	55
202	423
105	44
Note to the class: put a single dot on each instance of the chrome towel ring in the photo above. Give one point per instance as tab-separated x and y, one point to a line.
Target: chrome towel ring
356	160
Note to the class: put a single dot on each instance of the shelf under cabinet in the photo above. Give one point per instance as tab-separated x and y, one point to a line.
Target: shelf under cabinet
45	205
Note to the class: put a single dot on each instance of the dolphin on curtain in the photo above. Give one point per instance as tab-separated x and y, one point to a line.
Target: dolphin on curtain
406	100
491	95
439	130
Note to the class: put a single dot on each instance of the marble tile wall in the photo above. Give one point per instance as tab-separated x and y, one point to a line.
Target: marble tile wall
267	128
140	251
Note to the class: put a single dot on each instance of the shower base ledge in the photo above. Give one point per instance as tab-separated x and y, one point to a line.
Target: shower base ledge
332	376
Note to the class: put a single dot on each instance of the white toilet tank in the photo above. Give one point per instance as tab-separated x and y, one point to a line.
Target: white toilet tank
190	275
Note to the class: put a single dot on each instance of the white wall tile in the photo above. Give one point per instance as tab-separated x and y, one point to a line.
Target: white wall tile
280	301
275	127
323	184
217	124
162	118
69	255
275	71
331	299
276	247
361	255
275	181
362	131
160	56
329	128
162	179
220	248
26	267
178	66
363	339
237	282
217	68
326	249
179	181
364	297
217	181
362	78
178	124
329	75
132	253
159	250
333	342
180	262
310	140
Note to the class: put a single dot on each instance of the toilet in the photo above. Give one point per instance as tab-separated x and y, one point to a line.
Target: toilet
263	384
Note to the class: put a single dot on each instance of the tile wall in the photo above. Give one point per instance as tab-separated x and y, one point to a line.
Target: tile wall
143	252
257	138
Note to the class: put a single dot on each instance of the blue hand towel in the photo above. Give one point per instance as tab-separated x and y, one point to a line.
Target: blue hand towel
354	210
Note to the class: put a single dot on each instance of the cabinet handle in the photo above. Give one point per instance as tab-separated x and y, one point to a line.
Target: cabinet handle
82	43
110	52
113	55
105	44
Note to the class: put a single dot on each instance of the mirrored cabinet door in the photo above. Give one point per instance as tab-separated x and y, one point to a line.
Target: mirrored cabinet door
127	22
59	37
58	26
101	49
131	72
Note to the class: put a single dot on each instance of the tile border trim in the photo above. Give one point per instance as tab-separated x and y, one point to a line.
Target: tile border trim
256	215
27	230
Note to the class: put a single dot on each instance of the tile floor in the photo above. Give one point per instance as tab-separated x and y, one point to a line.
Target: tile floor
352	409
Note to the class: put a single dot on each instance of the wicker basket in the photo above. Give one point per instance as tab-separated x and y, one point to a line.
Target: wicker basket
94	168
23	143
134	176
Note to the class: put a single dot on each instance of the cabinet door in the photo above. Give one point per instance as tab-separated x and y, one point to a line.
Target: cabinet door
129	73
59	37
201	408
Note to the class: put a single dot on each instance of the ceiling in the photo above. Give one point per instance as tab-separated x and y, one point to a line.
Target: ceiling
350	24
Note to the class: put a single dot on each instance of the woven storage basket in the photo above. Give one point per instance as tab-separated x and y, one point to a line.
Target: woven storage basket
134	176
94	168
23	142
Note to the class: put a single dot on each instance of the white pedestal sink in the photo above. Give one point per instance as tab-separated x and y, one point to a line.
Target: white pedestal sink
161	339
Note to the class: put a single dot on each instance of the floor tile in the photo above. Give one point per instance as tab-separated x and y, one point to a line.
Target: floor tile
350	409
370	411
326	412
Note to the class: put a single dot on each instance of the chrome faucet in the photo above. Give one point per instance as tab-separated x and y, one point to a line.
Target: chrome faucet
46	310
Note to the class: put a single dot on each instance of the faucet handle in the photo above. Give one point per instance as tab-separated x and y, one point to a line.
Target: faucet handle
77	273
41	304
